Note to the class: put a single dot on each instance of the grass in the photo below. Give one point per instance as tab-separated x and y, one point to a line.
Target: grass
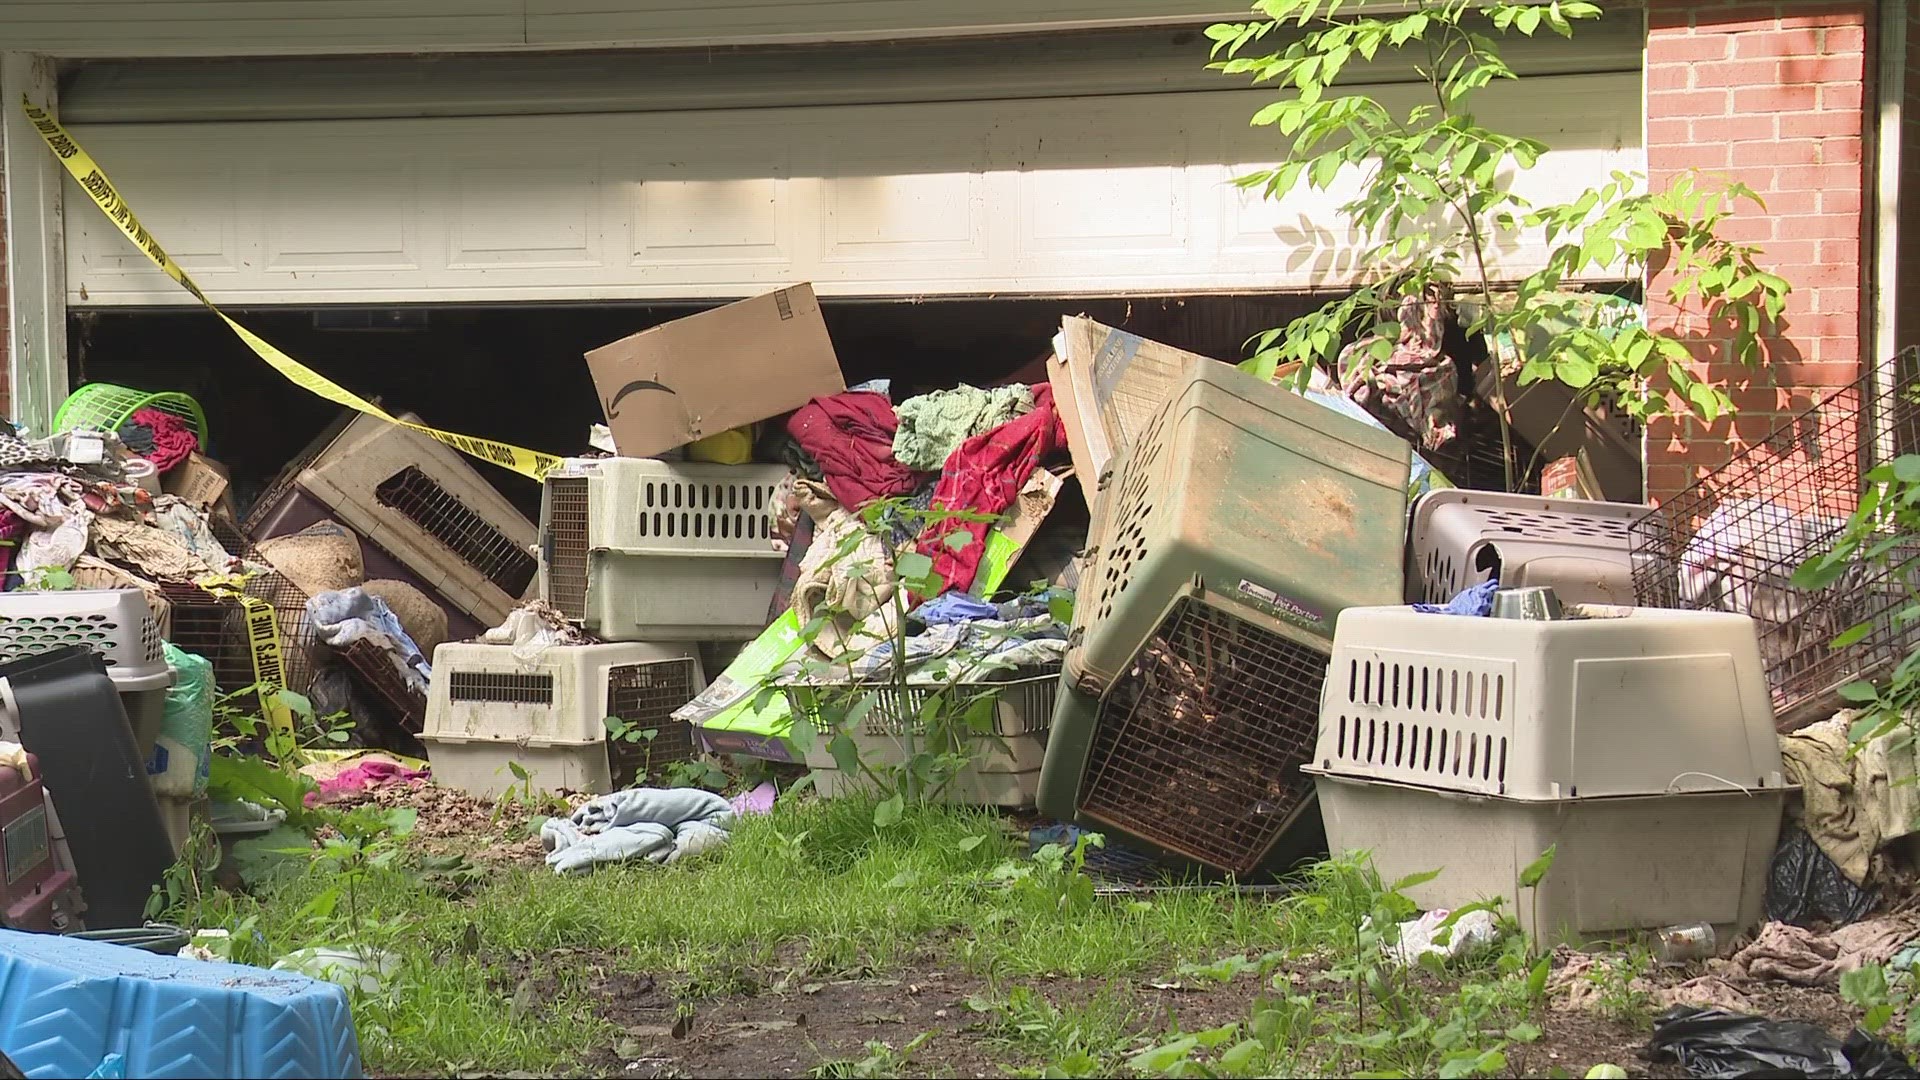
811	890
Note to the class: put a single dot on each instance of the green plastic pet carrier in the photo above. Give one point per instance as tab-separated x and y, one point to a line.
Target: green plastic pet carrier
1230	536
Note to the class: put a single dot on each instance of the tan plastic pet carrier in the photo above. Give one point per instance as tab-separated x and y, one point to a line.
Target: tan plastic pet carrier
1640	744
1580	549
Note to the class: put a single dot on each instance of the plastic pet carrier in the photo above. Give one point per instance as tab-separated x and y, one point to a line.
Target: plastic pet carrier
1733	541
1005	724
1275	505
548	713
423	515
117	624
1460	538
638	549
1640	744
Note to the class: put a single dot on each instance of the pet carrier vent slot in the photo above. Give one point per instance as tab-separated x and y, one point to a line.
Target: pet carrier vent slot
500	686
1134	507
567	544
703	510
644	697
1199	744
1452	717
33	634
424	502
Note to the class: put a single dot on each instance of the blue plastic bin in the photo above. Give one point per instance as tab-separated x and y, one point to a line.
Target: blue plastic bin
65	1004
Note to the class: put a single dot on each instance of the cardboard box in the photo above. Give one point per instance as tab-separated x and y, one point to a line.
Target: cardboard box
1107	384
718	370
199	480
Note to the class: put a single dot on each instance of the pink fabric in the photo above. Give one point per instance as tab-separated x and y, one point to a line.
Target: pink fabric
984	476
757	801
172	439
371	773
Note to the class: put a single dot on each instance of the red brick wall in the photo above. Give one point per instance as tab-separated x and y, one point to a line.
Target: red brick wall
1774	95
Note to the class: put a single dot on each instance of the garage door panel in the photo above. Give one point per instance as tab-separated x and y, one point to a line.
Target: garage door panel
1082	195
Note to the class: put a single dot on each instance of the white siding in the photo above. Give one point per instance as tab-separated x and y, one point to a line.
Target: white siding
1073	195
241	27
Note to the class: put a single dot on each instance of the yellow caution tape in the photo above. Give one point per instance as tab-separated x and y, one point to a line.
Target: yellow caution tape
263	642
94	182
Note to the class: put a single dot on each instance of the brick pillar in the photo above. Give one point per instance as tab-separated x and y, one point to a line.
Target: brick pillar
1774	95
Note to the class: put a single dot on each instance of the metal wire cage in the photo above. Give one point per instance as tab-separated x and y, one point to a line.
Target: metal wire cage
1199	743
215	627
1732	542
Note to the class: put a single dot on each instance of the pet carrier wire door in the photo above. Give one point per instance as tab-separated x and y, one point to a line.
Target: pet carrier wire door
1733	541
1291	510
1459	538
1196	749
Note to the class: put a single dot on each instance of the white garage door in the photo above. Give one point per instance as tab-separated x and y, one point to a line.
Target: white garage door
1088	194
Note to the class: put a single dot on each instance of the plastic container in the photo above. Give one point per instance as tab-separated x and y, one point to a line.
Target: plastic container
1684	943
105	407
547	713
178	763
66	1003
1651	702
1005	766
1580	549
418	508
1322	532
1639	745
646	550
115	623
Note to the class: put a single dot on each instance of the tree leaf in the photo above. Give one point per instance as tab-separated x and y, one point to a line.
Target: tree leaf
1537	977
1859	692
913	566
1906	468
1606	1070
888	813
1852	635
1536	871
968	843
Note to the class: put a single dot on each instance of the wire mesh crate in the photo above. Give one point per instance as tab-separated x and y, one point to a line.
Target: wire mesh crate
1732	542
1196	749
1460	538
215	627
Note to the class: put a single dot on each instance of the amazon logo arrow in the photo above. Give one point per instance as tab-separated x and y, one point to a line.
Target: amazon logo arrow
634	387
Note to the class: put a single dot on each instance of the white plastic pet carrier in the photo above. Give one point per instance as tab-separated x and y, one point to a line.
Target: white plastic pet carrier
639	549
425	515
547	711
1460	538
1640	742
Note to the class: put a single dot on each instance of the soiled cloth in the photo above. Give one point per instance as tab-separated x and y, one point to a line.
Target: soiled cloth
660	825
1803	957
850	436
847	578
984	476
55	508
1417	384
348	615
364	775
155	552
532	627
970	648
188	524
934	425
1851	803
172	439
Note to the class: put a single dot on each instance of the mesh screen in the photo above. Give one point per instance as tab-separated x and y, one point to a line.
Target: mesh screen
1733	541
566	545
1199	744
425	503
645	696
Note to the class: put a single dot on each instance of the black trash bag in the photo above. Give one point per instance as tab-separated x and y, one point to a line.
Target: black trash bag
1805	887
1715	1044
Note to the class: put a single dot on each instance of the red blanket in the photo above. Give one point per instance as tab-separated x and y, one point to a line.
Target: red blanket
984	476
851	436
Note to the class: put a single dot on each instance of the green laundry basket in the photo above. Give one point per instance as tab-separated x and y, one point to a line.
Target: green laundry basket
105	407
